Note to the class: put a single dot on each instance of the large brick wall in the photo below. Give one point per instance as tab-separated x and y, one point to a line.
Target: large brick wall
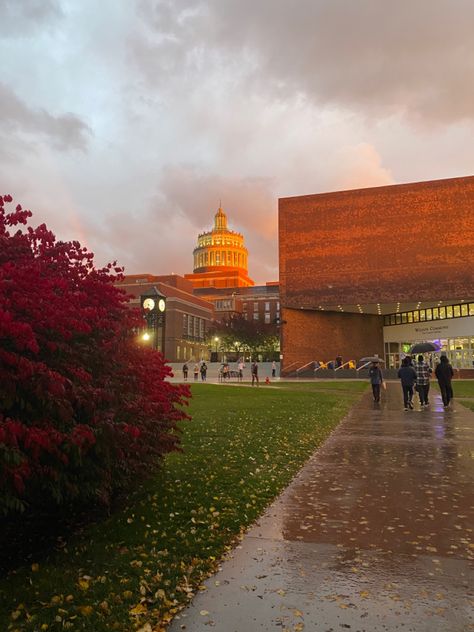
402	242
308	335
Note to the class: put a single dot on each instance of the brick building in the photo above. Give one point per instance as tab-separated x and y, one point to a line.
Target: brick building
375	270
187	318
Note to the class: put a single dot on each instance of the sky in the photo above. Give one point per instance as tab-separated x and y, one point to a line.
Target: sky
123	124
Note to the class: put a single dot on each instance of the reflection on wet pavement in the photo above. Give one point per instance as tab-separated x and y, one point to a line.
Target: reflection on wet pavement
375	533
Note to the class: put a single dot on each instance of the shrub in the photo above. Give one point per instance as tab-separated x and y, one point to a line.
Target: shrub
83	409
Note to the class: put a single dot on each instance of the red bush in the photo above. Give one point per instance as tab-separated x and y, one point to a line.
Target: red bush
83	409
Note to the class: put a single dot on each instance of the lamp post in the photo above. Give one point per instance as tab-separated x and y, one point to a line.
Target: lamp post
154	310
216	340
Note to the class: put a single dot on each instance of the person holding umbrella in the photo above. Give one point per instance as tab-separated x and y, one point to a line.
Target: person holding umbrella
423	372
376	379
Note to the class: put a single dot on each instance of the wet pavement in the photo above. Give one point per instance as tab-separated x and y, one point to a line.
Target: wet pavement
374	534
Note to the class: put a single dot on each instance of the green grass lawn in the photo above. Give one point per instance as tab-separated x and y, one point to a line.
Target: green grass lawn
241	448
464	388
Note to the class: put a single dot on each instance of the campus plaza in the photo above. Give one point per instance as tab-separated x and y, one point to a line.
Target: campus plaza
448	324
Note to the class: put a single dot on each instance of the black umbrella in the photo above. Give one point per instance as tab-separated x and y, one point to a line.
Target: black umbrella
372	359
424	347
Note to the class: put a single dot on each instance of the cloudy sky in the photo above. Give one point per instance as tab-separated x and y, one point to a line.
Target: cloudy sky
124	122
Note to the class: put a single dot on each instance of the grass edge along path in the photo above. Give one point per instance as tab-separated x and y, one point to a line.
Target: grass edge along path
138	568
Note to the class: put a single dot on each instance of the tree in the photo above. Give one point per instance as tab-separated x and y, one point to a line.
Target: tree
238	333
83	409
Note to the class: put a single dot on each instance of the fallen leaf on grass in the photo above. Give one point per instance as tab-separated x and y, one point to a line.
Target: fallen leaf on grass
139	609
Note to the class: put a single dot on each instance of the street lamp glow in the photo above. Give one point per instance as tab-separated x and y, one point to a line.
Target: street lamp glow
146	336
216	339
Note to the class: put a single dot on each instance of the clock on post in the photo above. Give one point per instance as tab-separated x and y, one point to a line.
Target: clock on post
153	305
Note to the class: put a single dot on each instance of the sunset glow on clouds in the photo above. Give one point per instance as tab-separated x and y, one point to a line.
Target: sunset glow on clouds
123	124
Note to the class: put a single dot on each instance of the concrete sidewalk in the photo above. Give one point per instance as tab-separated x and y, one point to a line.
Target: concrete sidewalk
374	534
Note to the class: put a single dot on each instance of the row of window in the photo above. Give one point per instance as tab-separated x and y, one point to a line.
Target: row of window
193	327
256	306
430	313
220	258
266	317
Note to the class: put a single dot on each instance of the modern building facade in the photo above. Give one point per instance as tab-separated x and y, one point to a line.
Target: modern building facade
220	258
375	270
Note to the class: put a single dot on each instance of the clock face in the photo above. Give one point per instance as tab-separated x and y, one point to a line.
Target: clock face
148	303
161	305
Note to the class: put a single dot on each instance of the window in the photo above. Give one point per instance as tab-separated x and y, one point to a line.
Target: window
196	327
435	313
185	324
392	319
422	315
471	309
410	317
178	353
202	330
404	318
464	310
190	325
386	320
429	314
416	317
255	307
449	311
255	316
267	319
456	311
442	312
278	305
267	306
398	319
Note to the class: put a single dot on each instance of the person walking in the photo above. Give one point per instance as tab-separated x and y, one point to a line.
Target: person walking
274	369
422	380
240	368
203	371
185	372
376	380
444	374
196	372
254	372
407	375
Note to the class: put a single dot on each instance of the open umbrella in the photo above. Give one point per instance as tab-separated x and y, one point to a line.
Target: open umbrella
372	359
424	347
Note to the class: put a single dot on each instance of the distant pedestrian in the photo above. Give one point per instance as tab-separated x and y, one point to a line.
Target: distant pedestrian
203	371
376	380
423	372
241	367
444	374
254	372
196	372
185	372
407	375
274	369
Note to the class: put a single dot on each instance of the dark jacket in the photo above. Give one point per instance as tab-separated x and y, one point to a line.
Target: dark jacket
375	375
444	372
407	374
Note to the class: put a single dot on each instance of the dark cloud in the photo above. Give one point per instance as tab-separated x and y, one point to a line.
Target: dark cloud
65	131
413	58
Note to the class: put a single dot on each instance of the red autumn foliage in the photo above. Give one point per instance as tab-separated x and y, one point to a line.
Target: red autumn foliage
83	409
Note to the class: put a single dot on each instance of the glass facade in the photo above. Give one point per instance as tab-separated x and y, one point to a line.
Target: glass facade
460	352
461	310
